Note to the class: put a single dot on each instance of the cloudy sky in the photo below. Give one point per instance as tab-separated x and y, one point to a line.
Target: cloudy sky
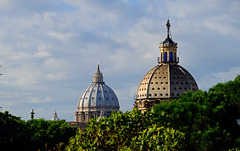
49	50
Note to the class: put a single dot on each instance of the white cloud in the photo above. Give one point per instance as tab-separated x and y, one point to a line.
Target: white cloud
55	64
50	49
61	36
43	54
228	75
223	24
37	100
5	5
24	76
11	98
209	80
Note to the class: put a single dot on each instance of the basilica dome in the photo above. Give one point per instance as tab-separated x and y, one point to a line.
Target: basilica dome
98	100
165	81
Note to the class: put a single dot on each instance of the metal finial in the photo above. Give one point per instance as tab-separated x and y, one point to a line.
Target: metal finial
168	27
98	67
98	64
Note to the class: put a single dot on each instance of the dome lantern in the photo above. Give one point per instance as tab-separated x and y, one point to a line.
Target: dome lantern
98	77
168	49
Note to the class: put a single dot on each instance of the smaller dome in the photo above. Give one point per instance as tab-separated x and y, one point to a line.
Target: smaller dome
55	118
98	95
98	100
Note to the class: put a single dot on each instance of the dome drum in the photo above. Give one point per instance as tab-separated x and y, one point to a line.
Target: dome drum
97	109
159	60
87	115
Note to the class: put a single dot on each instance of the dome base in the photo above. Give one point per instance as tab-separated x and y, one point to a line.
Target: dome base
144	104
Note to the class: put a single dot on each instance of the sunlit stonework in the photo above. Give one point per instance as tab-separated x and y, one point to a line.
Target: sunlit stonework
167	80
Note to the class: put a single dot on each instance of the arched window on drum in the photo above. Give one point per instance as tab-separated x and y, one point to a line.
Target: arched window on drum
161	57
165	57
171	57
175	56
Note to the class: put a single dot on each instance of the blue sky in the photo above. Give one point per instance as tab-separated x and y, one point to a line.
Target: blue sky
49	50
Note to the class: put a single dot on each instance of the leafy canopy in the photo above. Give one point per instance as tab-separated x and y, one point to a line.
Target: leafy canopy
35	134
209	119
126	131
196	121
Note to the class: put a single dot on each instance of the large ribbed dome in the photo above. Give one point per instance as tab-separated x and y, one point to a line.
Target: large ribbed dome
98	99
98	95
167	80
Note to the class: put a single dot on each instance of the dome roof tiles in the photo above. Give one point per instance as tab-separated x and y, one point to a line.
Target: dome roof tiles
165	81
98	95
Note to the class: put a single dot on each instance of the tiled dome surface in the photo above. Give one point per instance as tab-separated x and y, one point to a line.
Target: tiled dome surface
98	95
166	81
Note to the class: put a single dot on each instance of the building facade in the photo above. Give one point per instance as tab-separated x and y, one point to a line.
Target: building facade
167	80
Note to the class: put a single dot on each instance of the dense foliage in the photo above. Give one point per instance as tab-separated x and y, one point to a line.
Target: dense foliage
12	132
196	121
35	134
209	119
127	131
46	134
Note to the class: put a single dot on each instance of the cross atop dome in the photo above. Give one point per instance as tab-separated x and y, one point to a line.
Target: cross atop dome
168	41
168	27
168	49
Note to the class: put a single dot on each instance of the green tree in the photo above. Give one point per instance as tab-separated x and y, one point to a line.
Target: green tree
16	134
207	118
225	100
126	131
12	132
46	134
